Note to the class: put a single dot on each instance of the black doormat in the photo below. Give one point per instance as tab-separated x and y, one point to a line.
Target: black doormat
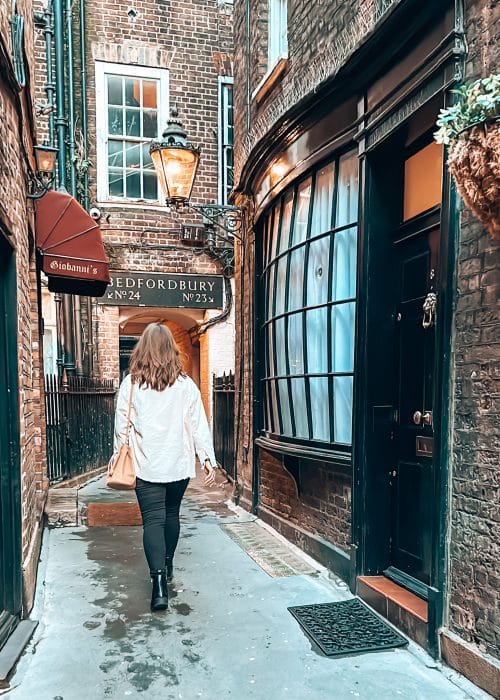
347	627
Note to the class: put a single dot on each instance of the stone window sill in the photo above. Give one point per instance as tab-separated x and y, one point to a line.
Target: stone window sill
270	80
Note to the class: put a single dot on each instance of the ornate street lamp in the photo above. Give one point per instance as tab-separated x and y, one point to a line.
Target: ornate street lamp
176	160
42	181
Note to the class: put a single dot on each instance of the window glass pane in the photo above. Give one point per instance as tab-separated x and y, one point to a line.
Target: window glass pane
115	154
343	337
115	181
295	344
274	239
296	279
344	265
285	224
279	327
270	275
132	92
115	120
299	407
323	201
133	185
270	346
317	271
149	88
149	124
281	285
317	346
274	407
301	212
132	122
285	407
147	163
347	195
150	186
342	409
115	93
318	387
133	154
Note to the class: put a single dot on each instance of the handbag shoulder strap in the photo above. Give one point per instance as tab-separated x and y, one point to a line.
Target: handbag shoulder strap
127	429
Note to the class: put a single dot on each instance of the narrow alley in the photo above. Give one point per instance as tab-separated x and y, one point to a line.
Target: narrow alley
227	632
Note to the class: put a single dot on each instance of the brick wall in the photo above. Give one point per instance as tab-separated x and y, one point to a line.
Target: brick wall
475	534
17	217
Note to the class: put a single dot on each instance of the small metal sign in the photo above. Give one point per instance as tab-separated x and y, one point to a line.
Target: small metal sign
169	290
424	446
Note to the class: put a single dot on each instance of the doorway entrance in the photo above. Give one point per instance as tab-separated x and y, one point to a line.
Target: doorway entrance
397	524
10	499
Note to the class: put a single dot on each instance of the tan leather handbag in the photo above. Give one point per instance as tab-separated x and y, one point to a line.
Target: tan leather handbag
121	472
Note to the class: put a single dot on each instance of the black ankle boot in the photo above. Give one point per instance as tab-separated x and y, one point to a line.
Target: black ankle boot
169	565
159	596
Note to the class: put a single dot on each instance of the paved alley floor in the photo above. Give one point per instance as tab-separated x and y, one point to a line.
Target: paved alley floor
227	633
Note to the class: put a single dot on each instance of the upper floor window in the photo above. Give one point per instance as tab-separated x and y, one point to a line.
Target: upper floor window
131	109
277	32
226	157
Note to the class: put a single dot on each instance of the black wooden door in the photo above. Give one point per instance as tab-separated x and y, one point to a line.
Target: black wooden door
412	477
10	516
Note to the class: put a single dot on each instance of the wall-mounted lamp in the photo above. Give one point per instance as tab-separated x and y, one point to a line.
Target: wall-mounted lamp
176	160
41	182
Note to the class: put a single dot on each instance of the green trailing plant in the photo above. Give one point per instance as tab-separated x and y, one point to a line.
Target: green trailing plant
478	103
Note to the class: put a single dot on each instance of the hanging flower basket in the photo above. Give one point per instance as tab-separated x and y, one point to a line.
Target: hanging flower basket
471	129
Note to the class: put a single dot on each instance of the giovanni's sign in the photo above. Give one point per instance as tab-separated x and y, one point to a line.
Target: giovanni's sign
170	290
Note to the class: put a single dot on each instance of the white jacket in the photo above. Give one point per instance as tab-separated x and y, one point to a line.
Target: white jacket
167	428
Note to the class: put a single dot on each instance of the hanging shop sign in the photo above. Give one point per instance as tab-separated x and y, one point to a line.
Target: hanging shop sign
169	290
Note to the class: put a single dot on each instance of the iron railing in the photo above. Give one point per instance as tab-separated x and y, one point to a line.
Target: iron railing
80	417
223	422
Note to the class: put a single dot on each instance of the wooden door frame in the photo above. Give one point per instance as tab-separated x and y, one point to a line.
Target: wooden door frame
366	548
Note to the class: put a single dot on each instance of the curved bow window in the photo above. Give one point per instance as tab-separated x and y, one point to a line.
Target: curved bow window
309	288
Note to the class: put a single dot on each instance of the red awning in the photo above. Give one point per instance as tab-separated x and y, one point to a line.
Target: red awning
70	244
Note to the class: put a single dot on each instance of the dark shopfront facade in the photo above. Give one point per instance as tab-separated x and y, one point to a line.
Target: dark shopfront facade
356	224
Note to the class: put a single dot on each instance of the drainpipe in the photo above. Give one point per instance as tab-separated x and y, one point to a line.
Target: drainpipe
71	97
248	47
49	85
86	199
61	129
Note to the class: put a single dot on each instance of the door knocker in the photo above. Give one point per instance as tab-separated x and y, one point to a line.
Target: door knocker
429	307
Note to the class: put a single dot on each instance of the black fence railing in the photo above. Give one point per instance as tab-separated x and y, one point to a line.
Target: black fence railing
80	416
223	423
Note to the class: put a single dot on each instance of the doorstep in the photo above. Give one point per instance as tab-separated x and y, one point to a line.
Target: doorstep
404	609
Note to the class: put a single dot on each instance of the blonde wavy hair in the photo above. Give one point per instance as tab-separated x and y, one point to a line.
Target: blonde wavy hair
155	361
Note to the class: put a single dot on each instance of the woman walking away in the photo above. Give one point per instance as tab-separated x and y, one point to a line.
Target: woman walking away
168	426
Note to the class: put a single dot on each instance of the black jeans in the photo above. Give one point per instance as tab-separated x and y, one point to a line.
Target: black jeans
160	504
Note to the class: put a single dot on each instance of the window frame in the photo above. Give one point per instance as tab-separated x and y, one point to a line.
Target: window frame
269	433
221	146
102	70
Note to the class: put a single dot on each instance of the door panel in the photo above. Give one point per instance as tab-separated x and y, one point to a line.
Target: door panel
412	477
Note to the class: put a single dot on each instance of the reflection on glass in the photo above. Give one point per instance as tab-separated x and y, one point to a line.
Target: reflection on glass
281	285
150	125
323	201
274	235
318	387
285	406
342	409
295	344
344	265
115	182
343	337
133	154
270	346
149	94
285	224
296	278
132	92
301	212
150	184
317	346
115	120
115	90
347	195
132	123
279	326
299	407
274	406
115	154
270	295
317	271
133	184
